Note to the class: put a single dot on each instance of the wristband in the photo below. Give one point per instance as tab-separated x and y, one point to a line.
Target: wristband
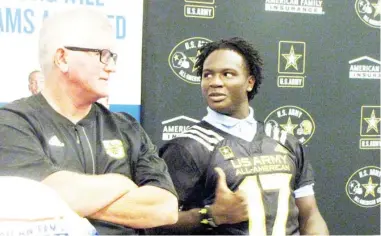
207	218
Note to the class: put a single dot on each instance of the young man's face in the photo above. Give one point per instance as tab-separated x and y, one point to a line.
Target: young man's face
225	83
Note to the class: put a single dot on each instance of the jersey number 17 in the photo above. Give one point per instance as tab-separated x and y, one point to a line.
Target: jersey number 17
257	216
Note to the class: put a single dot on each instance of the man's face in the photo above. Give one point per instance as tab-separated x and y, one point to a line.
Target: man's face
225	83
88	75
36	83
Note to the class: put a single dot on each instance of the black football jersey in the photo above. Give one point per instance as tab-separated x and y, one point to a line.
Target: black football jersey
268	169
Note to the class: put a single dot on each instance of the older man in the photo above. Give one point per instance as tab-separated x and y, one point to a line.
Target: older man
101	163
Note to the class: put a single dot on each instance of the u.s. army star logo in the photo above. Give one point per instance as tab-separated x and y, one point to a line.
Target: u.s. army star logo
369	11
363	187
183	57
114	148
291	57
370	127
226	152
293	120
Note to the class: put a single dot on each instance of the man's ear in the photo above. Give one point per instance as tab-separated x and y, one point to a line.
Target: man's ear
60	60
251	83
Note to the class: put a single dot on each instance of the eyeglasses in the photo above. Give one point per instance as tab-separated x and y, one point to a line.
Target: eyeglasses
104	54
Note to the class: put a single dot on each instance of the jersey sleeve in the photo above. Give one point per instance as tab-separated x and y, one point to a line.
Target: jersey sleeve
150	169
183	170
304	175
21	151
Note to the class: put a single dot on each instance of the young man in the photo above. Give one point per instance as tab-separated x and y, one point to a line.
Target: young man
268	187
101	163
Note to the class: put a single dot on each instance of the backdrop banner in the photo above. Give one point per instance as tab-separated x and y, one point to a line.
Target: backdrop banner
322	84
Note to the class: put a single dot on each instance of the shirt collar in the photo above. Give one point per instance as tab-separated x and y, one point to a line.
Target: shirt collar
228	120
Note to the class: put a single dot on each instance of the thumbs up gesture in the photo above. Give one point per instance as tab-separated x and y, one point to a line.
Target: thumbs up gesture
228	207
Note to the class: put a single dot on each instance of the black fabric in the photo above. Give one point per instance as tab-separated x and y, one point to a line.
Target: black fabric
36	141
191	160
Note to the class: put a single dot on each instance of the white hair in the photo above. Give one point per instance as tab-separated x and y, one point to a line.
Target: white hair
71	27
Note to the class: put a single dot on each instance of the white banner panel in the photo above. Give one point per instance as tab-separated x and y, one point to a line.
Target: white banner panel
20	22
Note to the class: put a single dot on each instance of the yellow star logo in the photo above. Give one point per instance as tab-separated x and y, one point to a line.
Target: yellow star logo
292	58
226	152
372	122
369	188
377	8
289	126
193	60
176	57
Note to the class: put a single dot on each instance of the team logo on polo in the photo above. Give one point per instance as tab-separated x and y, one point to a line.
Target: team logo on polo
175	126
198	10
296	6
370	127
369	12
293	120
183	56
114	148
363	187
364	68
291	64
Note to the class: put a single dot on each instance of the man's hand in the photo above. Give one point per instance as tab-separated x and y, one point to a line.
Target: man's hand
229	207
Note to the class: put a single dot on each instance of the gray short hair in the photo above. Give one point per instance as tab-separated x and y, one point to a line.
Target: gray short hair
68	28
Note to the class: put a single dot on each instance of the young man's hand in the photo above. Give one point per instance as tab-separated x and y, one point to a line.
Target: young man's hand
229	207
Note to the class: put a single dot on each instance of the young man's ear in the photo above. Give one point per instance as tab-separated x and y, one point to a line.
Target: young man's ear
251	84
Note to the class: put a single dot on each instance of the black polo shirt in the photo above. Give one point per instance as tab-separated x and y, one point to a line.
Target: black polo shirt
36	141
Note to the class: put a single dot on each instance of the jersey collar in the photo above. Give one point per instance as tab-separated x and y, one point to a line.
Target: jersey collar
228	121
